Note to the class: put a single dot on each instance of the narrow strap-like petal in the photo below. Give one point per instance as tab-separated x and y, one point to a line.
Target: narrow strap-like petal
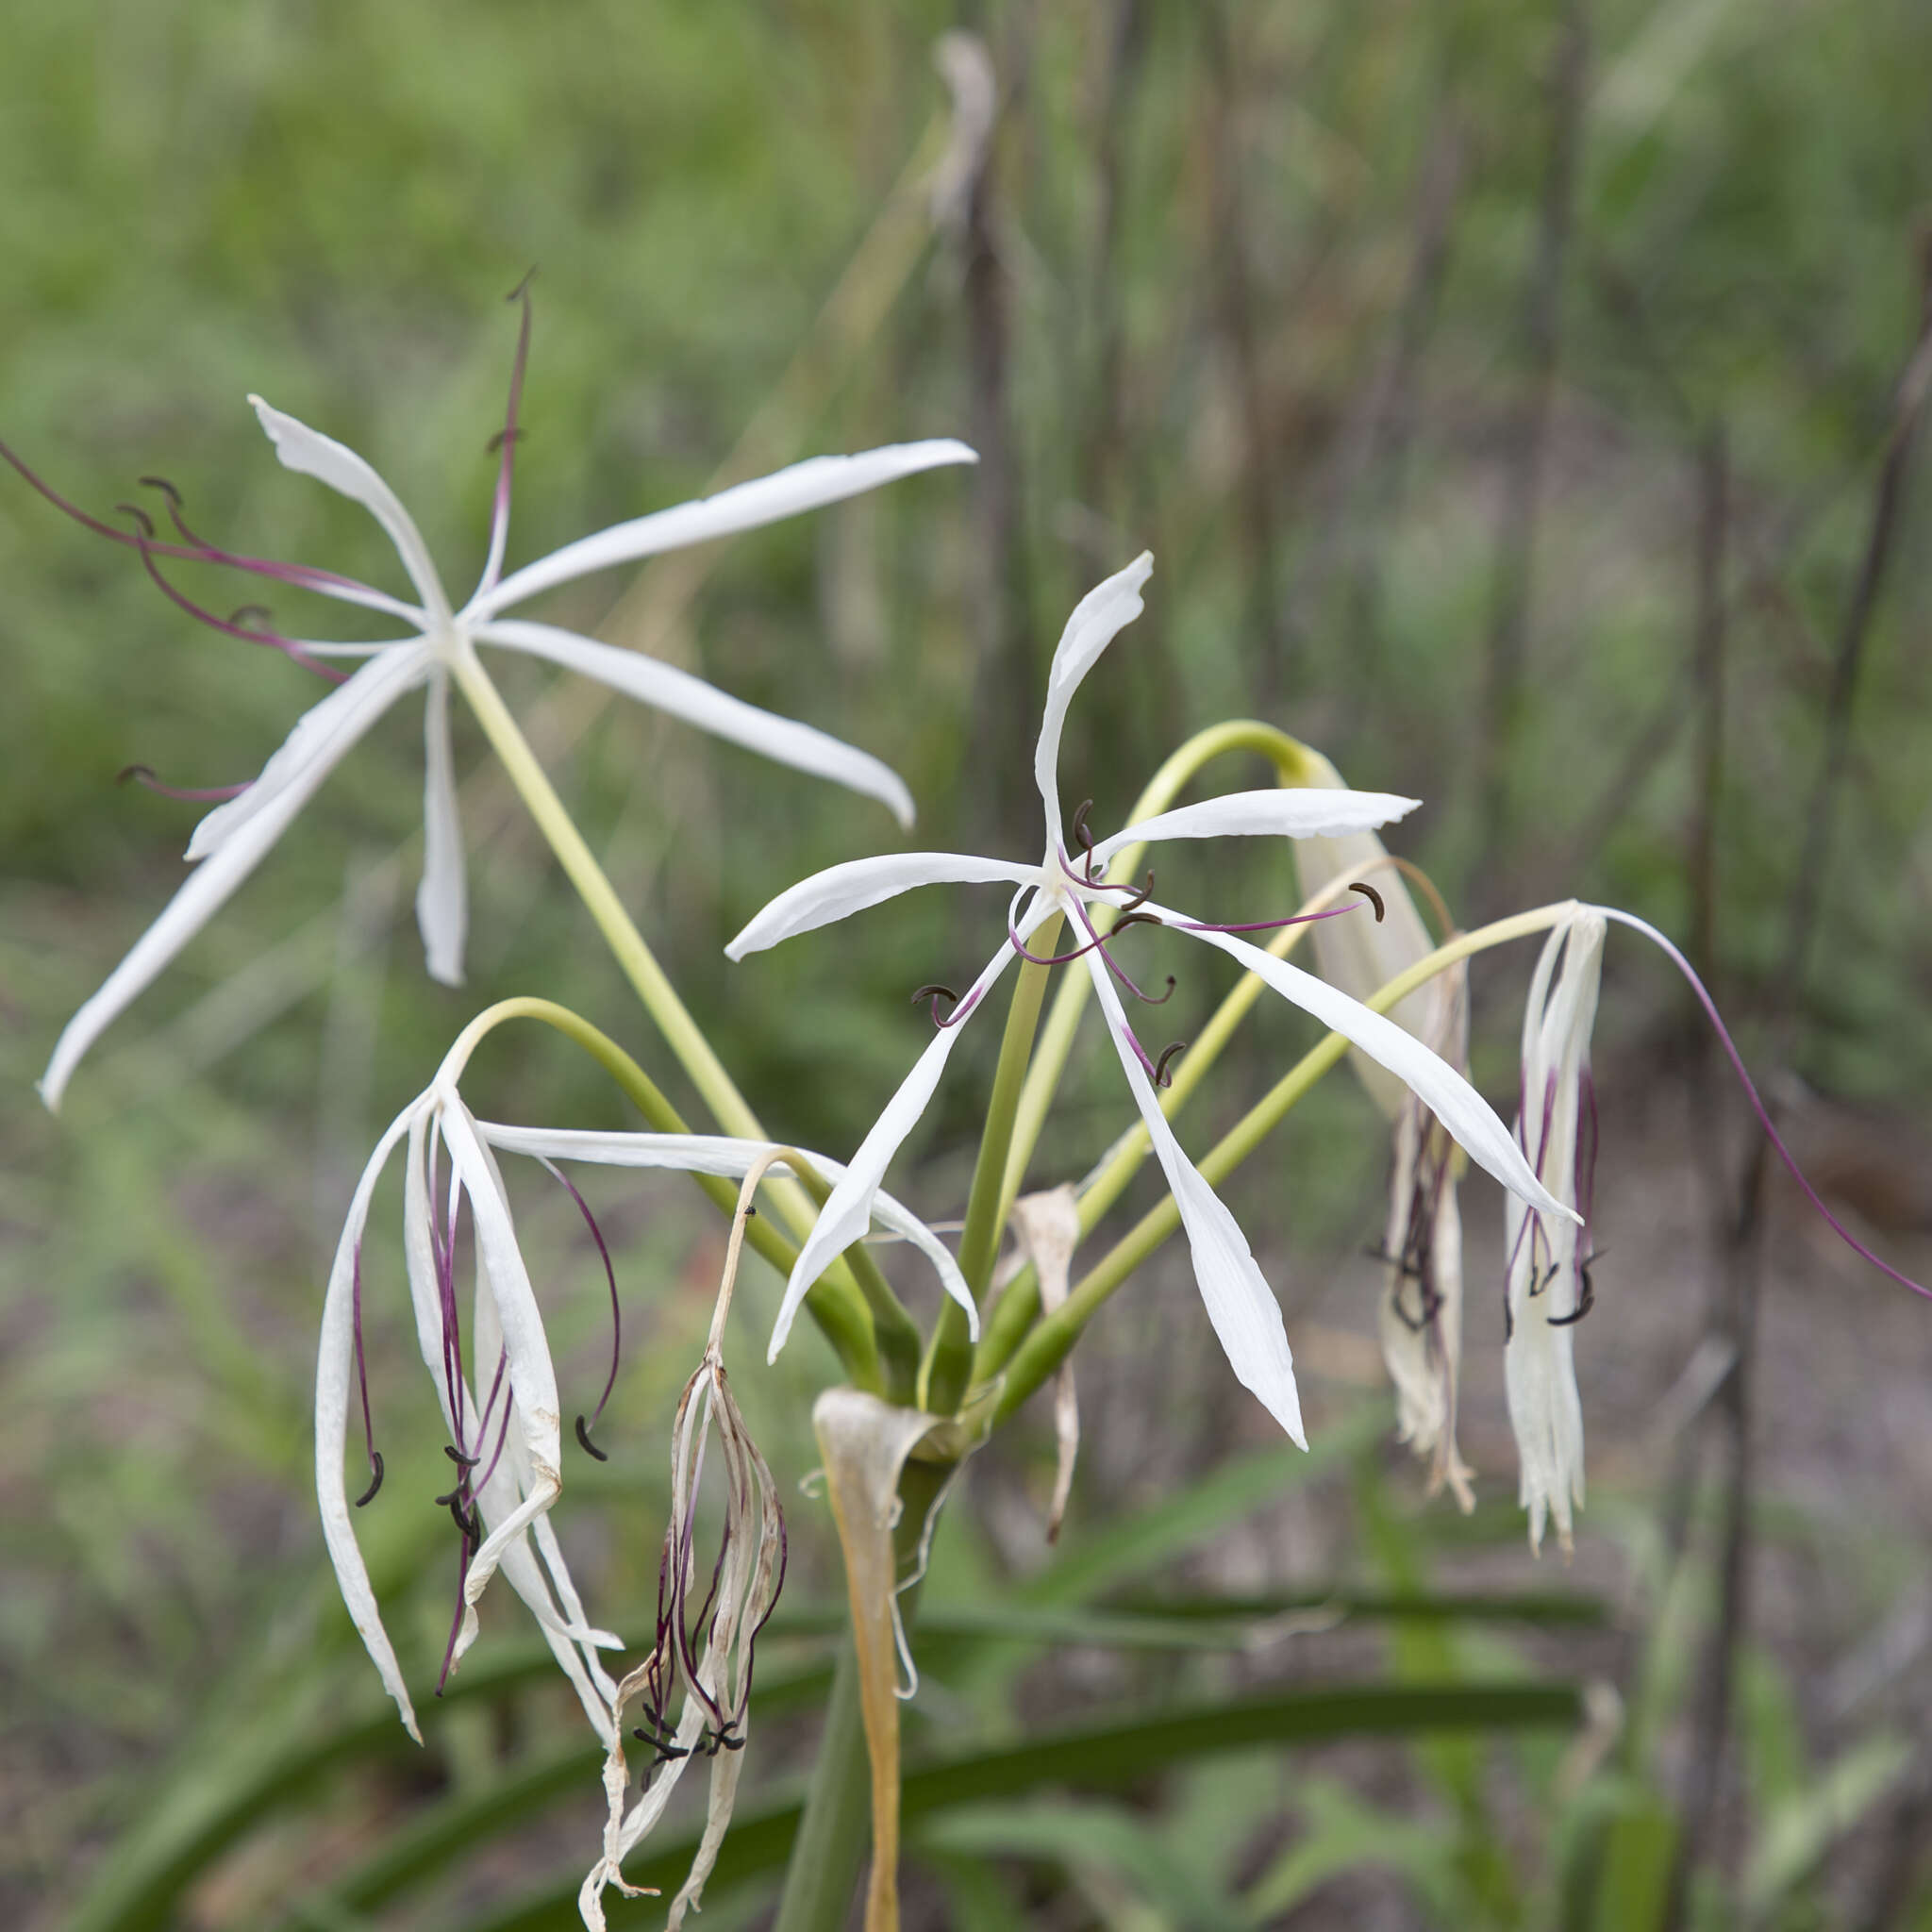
841	891
1240	1305
334	1379
318	738
309	453
442	912
1097	620
209	887
804	486
1284	813
848	1211
652	682
531	1375
716	1154
1454	1102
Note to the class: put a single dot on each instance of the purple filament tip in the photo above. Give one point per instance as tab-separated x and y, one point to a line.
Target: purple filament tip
1751	1093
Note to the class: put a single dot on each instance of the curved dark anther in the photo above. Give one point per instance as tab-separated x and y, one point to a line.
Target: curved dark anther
140	516
145	773
458	1457
1370	893
1083	833
1586	1297
1161	1076
368	1495
504	436
243	610
584	1442
161	484
1159	999
521	292
934	993
1127	919
1142	896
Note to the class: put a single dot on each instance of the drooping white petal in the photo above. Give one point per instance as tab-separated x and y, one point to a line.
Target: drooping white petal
442	912
207	888
309	453
841	891
652	682
1280	812
565	1628
1454	1102
318	740
530	1373
335	1384
1240	1305
848	1211
1545	1287
1097	619
805	486
716	1154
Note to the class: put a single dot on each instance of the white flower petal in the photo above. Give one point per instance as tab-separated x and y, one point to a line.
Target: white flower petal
442	913
716	1154
841	891
309	453
804	486
318	738
209	887
1097	619
335	1387
1240	1305
1454	1102
1284	814
652	682
530	1373
847	1213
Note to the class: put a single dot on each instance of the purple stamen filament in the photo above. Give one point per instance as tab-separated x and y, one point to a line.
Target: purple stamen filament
584	1427
144	775
1751	1093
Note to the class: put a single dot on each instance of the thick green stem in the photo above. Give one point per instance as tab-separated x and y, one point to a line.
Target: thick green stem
948	1365
898	1337
1046	1347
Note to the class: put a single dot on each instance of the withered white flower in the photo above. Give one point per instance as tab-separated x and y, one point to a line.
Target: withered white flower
1418	1317
437	643
707	1633
1240	1302
1549	1285
507	1448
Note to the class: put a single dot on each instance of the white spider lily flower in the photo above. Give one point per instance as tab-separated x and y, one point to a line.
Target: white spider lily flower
1240	1302
1549	1287
438	642
507	1448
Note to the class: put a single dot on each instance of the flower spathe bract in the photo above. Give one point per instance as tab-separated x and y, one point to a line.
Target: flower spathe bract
439	645
1549	1287
494	1378
1239	1304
